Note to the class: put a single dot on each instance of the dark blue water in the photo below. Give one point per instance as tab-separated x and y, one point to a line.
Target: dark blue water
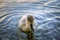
46	14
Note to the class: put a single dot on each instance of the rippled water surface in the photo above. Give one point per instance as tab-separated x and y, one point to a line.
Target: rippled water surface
46	14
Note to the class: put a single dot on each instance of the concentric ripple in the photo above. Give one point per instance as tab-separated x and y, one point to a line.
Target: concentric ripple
46	14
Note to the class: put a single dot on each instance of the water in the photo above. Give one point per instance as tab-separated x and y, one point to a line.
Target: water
46	14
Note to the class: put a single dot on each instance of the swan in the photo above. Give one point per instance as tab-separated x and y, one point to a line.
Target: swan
26	25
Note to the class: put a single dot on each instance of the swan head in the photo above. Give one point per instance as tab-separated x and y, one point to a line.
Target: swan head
30	19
